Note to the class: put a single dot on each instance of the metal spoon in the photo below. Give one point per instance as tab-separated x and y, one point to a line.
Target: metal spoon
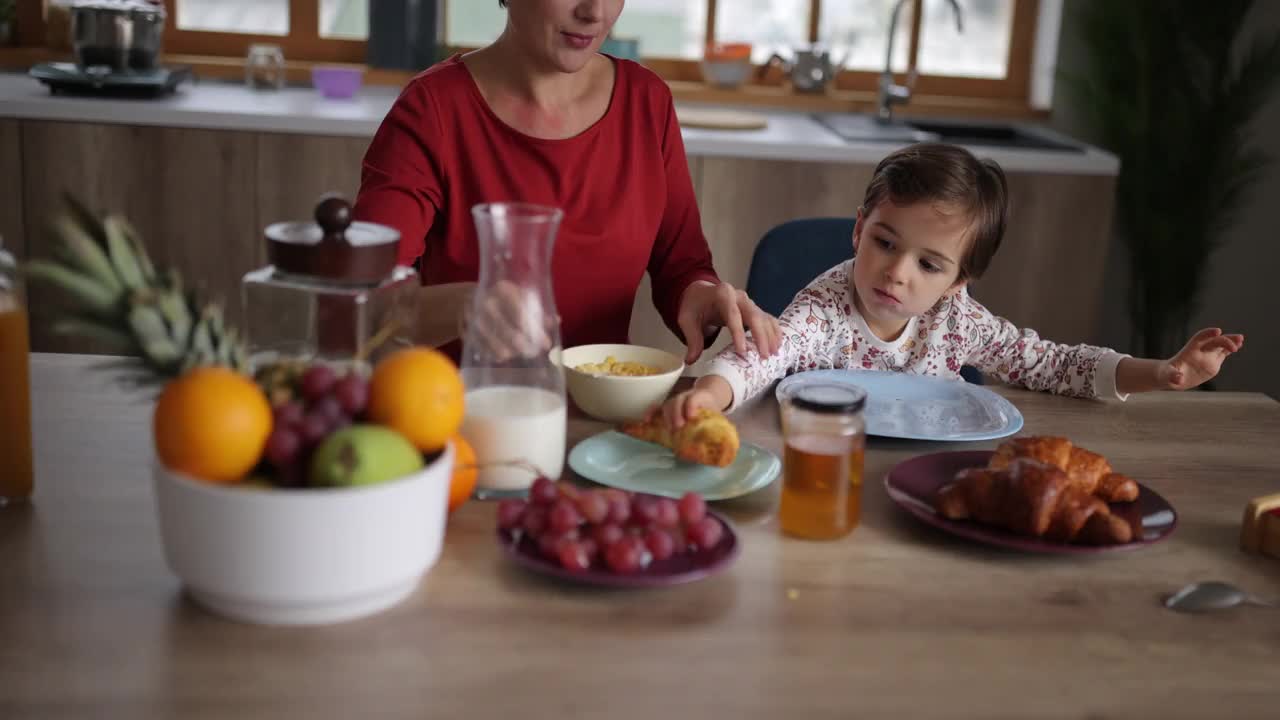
1206	596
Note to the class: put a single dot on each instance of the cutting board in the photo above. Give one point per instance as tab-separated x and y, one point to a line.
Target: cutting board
716	119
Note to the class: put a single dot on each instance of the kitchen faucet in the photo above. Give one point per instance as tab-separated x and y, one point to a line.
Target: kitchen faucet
890	93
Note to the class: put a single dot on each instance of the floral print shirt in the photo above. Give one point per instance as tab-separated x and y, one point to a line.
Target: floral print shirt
822	329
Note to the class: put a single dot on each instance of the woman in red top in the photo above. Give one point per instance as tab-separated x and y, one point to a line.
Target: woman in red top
540	116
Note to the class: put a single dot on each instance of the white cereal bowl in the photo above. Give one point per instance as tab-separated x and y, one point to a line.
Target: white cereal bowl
614	398
305	556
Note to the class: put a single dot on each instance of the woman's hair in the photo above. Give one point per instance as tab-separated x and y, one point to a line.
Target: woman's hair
502	3
947	175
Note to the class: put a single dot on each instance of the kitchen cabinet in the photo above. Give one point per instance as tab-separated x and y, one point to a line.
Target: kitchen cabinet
201	198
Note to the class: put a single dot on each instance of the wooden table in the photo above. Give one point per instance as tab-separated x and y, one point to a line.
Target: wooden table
898	620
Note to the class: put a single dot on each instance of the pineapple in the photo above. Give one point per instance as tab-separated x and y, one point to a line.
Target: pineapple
118	297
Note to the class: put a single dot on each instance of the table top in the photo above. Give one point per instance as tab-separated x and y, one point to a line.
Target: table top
897	618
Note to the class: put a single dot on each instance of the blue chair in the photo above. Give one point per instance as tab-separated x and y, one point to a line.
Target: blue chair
792	254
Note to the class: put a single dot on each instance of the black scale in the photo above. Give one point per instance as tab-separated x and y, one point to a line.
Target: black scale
101	80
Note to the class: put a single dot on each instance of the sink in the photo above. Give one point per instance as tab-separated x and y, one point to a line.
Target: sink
994	134
865	128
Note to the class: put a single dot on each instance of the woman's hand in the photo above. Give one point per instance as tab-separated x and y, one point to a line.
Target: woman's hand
1199	360
706	307
509	321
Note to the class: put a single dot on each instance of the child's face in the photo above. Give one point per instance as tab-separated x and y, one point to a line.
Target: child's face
908	259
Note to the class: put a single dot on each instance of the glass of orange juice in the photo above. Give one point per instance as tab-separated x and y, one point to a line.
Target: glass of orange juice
16	474
825	438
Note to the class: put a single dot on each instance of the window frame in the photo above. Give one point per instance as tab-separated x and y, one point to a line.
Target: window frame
304	44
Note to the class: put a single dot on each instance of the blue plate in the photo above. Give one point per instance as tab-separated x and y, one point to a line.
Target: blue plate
617	460
920	407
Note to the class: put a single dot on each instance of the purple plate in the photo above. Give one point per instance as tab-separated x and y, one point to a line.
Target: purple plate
912	484
675	570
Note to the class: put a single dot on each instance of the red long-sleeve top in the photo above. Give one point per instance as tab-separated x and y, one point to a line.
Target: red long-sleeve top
623	185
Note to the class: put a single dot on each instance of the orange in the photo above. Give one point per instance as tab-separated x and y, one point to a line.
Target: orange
212	423
418	392
465	473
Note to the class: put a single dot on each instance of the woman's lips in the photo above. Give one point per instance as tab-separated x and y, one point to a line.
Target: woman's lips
576	41
886	297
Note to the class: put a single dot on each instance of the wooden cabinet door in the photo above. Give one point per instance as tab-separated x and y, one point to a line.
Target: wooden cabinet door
191	194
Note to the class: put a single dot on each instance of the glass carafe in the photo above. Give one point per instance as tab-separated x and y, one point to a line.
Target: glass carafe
515	417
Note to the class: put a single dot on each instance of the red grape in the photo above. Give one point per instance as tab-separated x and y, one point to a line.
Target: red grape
543	491
644	509
594	507
625	555
564	516
590	547
288	415
510	513
535	520
314	428
692	508
706	533
607	534
666	513
329	408
317	380
619	508
573	556
352	393
283	445
660	543
550	542
569	490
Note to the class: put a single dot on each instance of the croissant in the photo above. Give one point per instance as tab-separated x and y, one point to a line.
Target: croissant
709	438
1087	470
1032	498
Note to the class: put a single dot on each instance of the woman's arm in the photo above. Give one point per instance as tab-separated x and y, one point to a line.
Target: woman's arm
400	180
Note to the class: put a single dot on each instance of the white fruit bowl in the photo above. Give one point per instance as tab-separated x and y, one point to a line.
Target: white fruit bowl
305	556
615	398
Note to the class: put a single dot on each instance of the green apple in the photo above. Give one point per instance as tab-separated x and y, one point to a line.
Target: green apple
363	455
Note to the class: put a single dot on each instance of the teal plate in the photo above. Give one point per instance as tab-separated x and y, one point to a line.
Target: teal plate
621	461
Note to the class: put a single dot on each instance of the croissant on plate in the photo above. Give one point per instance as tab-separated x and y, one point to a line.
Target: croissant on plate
1032	498
709	438
1089	471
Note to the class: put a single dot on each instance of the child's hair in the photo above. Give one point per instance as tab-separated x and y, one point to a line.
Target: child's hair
951	175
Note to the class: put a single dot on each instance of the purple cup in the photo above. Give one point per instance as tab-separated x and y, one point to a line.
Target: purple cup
338	83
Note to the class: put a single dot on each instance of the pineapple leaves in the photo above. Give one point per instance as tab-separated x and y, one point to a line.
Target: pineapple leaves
123	257
89	296
115	296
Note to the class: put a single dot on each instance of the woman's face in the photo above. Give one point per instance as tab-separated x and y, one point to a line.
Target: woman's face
563	33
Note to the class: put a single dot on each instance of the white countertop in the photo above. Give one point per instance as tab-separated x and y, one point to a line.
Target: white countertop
229	106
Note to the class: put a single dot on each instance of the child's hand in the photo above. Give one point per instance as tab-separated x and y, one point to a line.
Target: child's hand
684	406
1199	360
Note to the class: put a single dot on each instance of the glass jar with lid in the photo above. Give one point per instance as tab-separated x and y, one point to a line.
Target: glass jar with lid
825	442
333	291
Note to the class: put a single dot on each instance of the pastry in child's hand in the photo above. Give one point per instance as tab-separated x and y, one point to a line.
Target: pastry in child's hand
1086	470
709	438
1031	498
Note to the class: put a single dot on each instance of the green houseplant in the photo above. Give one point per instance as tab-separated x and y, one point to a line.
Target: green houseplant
1172	89
8	9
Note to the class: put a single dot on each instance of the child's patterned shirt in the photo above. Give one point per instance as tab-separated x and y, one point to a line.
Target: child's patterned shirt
822	329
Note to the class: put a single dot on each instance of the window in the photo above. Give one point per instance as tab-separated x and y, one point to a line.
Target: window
990	57
338	18
319	30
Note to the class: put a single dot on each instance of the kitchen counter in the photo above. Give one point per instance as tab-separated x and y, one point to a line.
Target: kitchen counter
897	620
791	136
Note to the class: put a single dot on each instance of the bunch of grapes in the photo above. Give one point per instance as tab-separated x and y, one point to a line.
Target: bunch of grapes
323	403
614	529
